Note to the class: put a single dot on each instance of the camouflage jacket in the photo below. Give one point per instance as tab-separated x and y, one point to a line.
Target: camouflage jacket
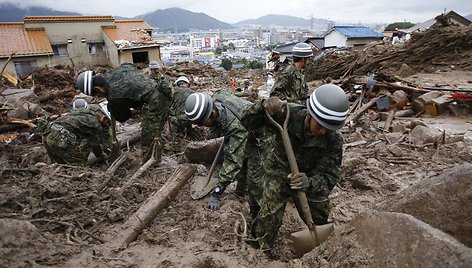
290	85
317	156
85	124
177	108
128	88
227	124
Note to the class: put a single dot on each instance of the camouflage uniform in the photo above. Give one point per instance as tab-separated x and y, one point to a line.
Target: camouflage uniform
179	119
319	157
290	85
128	88
227	124
70	139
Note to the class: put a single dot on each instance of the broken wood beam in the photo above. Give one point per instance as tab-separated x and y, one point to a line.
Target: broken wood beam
361	110
388	122
145	215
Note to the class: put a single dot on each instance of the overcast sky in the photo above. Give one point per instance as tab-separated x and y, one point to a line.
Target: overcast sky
340	11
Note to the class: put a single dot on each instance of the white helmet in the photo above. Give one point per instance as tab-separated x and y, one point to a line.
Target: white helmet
182	79
79	103
154	65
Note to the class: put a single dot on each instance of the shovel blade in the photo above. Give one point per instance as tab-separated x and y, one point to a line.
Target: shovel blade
201	187
303	241
115	152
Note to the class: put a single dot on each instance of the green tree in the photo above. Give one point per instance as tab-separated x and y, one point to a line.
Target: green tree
226	64
399	25
231	46
254	64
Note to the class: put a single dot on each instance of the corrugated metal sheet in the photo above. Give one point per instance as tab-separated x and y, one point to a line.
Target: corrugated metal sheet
357	32
14	38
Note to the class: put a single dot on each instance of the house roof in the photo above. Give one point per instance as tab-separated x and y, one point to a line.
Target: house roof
14	38
66	18
285	48
356	32
130	30
432	22
318	42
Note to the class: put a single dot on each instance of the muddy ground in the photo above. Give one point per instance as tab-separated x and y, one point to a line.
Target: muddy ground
400	201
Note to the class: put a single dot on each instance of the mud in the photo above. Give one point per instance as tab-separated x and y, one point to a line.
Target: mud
396	204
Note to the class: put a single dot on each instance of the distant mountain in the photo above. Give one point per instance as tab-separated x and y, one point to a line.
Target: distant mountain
12	13
282	20
469	17
181	20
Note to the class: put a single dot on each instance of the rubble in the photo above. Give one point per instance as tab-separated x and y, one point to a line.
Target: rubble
406	155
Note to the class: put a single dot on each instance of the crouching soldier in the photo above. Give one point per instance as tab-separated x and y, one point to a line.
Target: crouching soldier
71	138
126	88
222	115
318	151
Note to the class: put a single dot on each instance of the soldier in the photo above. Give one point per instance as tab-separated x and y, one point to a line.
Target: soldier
290	85
222	115
318	149
125	87
177	116
71	138
154	68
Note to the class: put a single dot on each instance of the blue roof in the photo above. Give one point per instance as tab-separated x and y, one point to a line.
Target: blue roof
357	31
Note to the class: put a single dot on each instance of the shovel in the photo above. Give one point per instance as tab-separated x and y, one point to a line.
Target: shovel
115	147
305	240
203	185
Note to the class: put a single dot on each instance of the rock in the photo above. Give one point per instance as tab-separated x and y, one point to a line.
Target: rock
405	71
395	150
443	202
442	102
418	104
422	135
400	240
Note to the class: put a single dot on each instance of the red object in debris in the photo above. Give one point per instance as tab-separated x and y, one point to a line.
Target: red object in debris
461	96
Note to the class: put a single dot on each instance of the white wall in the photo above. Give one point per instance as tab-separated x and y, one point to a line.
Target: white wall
335	39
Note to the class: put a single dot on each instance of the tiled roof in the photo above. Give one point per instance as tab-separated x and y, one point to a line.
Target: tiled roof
14	38
357	32
67	18
130	30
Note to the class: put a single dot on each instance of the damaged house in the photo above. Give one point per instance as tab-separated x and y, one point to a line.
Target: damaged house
81	41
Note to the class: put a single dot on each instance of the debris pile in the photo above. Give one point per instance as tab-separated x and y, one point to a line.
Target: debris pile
438	49
405	136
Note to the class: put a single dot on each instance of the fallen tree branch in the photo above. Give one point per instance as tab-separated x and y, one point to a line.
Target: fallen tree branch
58	93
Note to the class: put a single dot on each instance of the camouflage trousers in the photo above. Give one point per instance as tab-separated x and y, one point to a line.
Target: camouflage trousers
155	113
64	147
268	197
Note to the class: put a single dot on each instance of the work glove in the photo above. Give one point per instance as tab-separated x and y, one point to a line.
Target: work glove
274	105
299	181
214	203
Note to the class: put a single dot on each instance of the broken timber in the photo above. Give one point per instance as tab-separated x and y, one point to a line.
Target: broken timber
153	205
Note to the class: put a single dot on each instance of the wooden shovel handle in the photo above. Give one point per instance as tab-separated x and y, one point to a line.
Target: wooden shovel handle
294	168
